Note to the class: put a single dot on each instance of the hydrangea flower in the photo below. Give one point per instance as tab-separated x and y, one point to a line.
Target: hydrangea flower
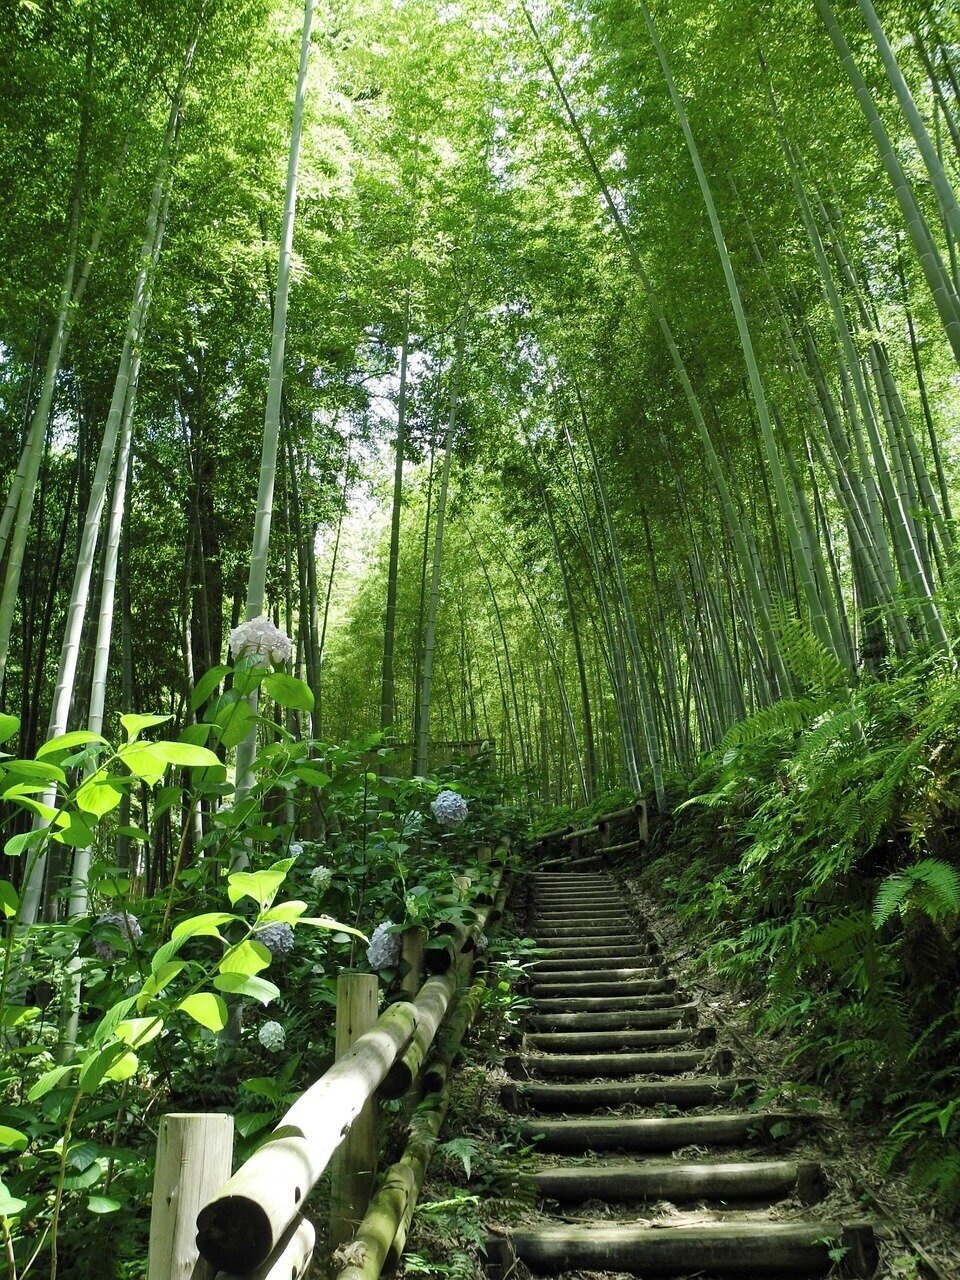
272	1036
128	926
277	938
412	823
449	808
384	949
260	638
320	877
295	849
482	943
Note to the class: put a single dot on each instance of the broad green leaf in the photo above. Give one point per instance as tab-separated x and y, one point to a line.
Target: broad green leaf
315	777
12	1139
135	724
67	741
73	831
143	762
136	1032
95	1067
19	771
234	721
289	691
25	796
156	982
327	922
125	1067
134	833
15	1015
206	925
106	1028
25	840
49	1080
9	725
99	795
196	733
103	1204
247	958
186	756
246	984
10	1206
207	685
261	886
9	900
207	1009
283	913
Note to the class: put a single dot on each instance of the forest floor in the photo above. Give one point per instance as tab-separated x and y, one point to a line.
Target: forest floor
466	1189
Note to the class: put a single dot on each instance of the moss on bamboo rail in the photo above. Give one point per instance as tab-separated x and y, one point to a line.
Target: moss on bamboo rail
432	1000
242	1225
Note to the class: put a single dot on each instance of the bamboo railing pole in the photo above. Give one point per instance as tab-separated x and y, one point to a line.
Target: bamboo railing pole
241	1226
289	1261
433	1001
354	1164
194	1158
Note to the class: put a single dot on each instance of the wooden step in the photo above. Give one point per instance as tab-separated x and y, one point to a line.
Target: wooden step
572	934
684	1094
590	1066
755	1250
566	1000
627	987
569	951
667	1015
597	1041
681	1183
626	1133
602	964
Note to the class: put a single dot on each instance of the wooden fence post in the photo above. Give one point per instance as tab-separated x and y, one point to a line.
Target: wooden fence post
194	1160
354	1165
412	945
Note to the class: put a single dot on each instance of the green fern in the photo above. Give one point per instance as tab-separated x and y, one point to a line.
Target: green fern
789	715
814	666
931	886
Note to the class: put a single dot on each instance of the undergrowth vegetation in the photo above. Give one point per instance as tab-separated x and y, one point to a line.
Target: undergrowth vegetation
817	858
215	992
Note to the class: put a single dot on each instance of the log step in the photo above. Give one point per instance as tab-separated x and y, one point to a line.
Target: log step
591	935
766	1180
631	999
661	1012
604	964
629	987
593	1041
591	1065
625	1133
774	1249
705	1092
554	951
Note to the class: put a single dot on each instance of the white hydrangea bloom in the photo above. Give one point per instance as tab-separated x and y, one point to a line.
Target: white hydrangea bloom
482	943
272	1036
384	949
127	925
295	849
277	938
259	637
449	808
320	877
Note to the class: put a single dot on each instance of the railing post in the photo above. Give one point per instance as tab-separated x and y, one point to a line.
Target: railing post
354	1165
413	943
194	1160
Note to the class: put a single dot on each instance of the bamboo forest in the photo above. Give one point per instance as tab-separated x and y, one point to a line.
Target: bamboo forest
480	639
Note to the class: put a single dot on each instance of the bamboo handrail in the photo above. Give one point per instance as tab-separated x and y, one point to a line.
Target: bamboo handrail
240	1230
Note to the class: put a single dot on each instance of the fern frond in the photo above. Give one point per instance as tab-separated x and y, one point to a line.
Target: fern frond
789	715
931	885
809	660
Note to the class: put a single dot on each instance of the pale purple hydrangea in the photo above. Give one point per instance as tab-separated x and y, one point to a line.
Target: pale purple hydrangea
320	878
277	938
259	638
128	927
384	949
272	1036
449	809
295	849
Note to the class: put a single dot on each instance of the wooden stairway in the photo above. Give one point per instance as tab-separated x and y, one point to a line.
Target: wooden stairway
608	1028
